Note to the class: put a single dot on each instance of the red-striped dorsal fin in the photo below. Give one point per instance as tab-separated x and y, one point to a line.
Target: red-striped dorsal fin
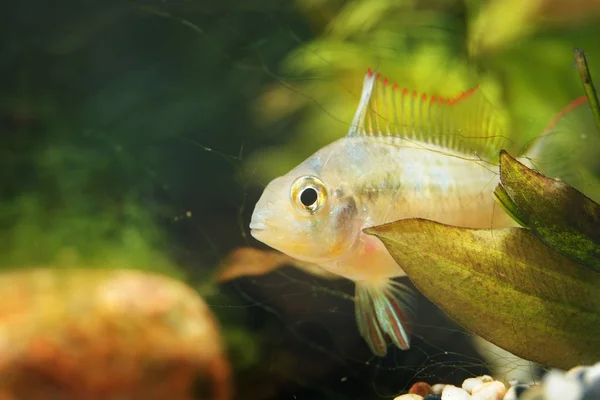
466	123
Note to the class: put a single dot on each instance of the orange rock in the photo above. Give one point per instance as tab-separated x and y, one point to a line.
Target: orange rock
106	334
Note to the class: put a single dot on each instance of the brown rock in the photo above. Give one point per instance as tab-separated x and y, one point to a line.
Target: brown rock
421	388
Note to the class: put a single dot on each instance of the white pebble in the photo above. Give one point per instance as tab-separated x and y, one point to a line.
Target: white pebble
470	383
558	387
438	387
511	394
574	372
489	391
409	396
592	374
451	392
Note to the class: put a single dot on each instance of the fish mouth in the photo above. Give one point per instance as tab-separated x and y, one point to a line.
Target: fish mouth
257	227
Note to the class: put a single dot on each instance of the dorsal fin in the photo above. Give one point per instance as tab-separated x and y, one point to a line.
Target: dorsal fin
467	123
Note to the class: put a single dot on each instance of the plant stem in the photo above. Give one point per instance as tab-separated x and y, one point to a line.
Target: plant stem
588	85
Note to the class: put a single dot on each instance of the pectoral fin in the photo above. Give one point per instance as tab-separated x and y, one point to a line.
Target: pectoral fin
383	310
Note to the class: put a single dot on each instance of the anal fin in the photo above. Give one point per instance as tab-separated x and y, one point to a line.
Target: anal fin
383	311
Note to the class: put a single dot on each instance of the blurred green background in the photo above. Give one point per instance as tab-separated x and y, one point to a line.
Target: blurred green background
140	134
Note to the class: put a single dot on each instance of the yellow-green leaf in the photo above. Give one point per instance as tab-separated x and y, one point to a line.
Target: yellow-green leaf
558	214
504	285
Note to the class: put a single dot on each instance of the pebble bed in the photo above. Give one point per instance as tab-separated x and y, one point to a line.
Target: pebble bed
579	383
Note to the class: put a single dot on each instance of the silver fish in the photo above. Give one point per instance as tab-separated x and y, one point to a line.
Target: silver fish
406	155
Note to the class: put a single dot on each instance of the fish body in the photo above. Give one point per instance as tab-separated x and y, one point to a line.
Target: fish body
384	170
375	180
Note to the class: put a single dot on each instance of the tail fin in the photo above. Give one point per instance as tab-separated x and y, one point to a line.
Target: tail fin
569	149
383	310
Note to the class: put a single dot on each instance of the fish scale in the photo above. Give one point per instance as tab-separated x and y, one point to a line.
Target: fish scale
393	187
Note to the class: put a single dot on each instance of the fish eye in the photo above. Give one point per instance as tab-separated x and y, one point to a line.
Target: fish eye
308	197
309	194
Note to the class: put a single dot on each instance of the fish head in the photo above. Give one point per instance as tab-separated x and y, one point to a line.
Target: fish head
306	215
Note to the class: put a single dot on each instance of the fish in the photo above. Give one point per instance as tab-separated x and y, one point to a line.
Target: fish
405	155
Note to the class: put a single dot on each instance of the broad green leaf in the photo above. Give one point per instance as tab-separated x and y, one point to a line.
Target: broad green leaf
504	285
558	214
500	23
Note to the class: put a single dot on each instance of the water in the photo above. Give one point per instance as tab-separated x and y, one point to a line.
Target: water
141	134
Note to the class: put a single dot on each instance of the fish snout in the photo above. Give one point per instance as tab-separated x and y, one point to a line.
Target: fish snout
257	225
256	228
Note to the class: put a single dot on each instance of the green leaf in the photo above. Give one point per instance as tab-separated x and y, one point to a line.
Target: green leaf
507	204
588	85
558	214
504	285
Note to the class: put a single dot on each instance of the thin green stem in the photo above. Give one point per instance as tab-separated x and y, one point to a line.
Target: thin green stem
588	85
